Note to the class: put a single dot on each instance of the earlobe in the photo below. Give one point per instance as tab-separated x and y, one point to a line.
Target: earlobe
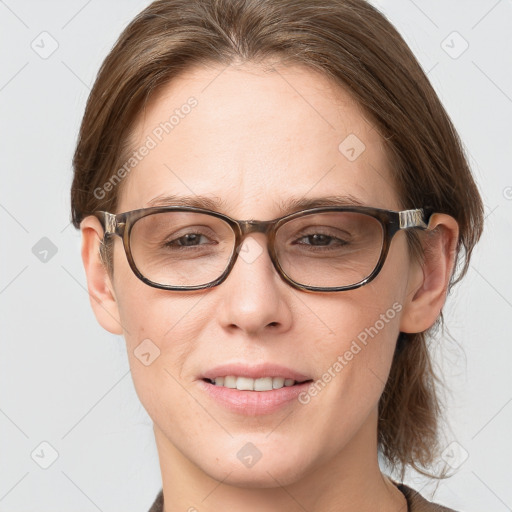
101	292
429	279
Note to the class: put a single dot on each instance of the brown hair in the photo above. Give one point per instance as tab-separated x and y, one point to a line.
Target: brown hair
353	44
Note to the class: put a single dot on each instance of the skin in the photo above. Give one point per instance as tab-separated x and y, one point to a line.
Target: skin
252	141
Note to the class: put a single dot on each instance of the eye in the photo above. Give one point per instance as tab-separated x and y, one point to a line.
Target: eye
188	240
320	240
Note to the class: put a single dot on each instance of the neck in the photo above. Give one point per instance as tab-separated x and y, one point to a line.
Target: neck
347	481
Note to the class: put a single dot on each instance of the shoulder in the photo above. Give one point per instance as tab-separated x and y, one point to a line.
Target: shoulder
417	503
158	504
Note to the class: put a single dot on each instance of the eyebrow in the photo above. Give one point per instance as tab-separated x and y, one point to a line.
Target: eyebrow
286	206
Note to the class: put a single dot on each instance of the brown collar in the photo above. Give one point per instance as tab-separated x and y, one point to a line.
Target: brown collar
415	501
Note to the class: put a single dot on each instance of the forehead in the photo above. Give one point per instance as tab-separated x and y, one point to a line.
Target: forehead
252	137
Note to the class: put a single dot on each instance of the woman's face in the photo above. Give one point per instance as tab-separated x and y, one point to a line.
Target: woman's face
254	140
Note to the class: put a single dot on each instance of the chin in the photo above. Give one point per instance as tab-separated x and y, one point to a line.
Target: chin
265	477
271	469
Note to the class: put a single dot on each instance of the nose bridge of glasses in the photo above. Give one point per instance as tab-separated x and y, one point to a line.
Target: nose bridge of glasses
248	227
255	226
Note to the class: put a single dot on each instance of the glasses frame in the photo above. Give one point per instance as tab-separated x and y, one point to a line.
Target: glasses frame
392	221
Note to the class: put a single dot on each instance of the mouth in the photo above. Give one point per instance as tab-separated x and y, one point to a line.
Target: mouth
254	390
257	384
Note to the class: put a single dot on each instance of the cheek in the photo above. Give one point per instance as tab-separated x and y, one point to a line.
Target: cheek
372	310
159	330
146	312
356	356
353	361
161	322
376	310
159	335
361	344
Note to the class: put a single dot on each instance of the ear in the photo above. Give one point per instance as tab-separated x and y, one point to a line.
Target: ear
99	285
429	279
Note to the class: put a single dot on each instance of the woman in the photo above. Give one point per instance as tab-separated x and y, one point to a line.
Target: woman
273	203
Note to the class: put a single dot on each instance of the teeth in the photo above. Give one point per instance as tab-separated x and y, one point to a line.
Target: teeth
263	384
245	384
229	382
277	382
248	384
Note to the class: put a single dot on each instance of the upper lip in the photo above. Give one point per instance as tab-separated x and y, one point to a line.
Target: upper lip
253	371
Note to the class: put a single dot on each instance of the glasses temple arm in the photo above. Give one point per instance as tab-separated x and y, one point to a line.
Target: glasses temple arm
414	218
108	222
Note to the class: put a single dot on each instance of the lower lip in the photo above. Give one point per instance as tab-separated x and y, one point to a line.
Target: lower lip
254	403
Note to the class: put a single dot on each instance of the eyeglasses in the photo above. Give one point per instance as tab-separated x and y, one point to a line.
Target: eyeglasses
323	249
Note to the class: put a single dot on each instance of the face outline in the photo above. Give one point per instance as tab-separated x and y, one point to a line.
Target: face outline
251	140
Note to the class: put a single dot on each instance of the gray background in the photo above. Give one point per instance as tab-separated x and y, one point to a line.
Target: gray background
66	382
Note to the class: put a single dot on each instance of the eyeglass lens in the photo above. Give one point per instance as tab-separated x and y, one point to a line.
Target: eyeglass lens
328	249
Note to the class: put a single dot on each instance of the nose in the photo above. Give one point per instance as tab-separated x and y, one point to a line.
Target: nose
255	298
